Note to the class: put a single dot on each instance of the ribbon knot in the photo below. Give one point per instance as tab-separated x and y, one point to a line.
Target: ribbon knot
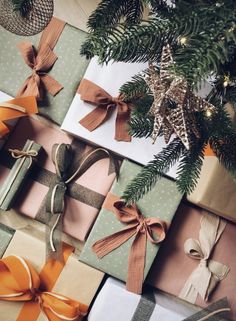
20	282
208	273
142	229
16	153
63	157
41	62
92	93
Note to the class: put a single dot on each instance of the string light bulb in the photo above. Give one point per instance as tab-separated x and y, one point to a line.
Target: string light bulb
226	81
208	113
183	41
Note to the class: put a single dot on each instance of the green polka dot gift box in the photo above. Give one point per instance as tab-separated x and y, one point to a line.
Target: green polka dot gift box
125	239
47	65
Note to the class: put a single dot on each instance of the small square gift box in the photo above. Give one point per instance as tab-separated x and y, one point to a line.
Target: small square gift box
35	65
99	114
78	196
11	110
33	290
125	240
197	261
216	188
128	306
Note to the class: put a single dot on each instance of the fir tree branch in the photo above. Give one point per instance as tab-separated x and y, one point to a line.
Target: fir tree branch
141	126
150	173
135	88
110	12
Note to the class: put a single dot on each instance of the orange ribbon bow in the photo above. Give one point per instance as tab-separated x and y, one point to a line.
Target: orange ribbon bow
41	62
20	282
18	107
92	93
143	229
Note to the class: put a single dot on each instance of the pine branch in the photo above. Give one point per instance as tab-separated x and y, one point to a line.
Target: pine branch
190	167
141	126
150	173
128	43
135	88
110	12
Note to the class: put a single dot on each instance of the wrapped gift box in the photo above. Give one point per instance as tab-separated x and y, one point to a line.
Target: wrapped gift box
6	235
216	189
130	306
161	202
81	208
14	71
172	267
75	280
111	77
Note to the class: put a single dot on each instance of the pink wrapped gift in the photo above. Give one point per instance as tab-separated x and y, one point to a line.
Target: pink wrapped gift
197	261
85	195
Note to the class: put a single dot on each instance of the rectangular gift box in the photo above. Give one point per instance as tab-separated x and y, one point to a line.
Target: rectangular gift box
111	77
18	174
86	194
67	70
161	202
216	188
172	268
76	280
6	234
129	306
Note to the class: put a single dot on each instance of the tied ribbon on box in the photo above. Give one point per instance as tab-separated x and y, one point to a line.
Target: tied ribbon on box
62	155
208	273
41	62
143	229
92	93
20	282
15	108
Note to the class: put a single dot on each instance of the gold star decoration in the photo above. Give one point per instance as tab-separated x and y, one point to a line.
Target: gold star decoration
174	103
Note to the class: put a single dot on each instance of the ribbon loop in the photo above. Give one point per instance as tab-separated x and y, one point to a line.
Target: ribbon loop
92	93
142	229
21	282
208	273
41	61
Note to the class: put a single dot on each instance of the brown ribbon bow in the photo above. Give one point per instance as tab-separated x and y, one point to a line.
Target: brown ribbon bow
41	62
92	93
143	229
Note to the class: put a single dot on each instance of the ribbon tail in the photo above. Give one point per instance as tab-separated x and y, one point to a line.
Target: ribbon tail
122	119
136	264
51	84
54	228
108	244
95	118
30	88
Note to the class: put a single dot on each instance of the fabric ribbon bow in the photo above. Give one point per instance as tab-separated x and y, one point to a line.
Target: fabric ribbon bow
206	276
19	282
62	155
143	229
92	93
15	108
41	62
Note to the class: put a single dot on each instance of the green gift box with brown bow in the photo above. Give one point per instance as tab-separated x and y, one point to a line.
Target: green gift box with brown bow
125	240
47	65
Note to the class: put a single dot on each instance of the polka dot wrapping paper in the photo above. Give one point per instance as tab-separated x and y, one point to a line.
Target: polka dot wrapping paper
161	202
68	69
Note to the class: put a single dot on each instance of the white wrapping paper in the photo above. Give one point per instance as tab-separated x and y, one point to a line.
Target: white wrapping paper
4	97
115	303
111	77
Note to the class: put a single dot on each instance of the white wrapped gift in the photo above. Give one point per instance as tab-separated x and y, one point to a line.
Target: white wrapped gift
4	97
115	303
111	77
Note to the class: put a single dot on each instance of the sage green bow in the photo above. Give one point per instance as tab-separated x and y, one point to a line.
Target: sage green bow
63	159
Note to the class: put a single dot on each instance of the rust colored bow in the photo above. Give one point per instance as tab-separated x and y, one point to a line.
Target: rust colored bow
41	62
143	229
20	282
92	93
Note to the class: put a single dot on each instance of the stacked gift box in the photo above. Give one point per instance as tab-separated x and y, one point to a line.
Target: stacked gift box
70	180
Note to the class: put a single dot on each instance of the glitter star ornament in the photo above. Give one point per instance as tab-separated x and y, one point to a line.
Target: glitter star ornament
174	103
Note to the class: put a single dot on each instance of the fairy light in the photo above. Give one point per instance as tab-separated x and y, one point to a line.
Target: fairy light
183	41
